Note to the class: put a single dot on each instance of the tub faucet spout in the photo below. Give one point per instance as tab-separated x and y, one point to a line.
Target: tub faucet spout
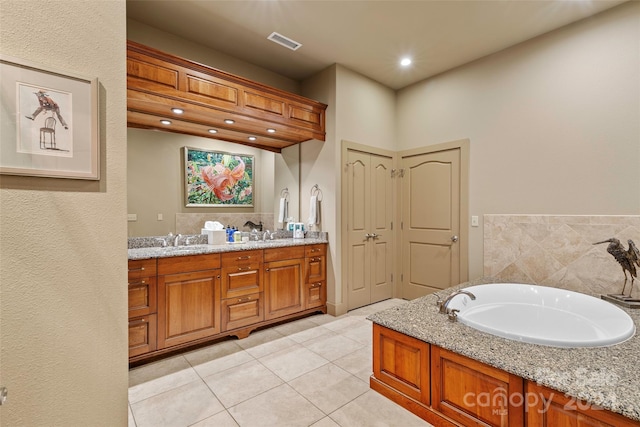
442	305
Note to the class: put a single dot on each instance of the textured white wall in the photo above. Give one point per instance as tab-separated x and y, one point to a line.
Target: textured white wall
553	123
63	312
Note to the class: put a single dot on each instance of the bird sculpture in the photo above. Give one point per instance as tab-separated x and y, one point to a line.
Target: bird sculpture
627	258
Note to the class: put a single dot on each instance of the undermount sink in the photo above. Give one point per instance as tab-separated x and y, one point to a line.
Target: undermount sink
543	315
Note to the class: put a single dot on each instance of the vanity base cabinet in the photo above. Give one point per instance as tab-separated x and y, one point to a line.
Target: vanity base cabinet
315	273
550	408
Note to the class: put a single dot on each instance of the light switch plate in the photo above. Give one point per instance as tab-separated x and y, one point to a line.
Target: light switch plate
474	221
160	217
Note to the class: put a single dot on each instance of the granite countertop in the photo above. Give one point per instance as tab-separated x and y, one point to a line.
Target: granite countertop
172	251
603	376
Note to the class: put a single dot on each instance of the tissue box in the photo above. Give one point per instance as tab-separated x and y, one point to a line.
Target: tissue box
215	237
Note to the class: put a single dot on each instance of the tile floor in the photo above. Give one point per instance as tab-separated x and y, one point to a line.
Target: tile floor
310	372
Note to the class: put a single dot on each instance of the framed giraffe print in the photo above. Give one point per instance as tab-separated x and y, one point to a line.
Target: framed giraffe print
48	122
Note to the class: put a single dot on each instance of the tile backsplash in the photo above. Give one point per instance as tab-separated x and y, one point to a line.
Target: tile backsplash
558	250
192	223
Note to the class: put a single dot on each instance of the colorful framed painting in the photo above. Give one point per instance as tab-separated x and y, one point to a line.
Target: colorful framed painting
218	179
48	122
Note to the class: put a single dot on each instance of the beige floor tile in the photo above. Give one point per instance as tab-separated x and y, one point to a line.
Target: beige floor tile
321	319
278	407
358	363
179	407
265	342
160	385
326	422
221	419
345	323
296	326
212	352
329	387
132	421
374	410
242	382
309	334
155	370
292	362
333	347
222	363
362	334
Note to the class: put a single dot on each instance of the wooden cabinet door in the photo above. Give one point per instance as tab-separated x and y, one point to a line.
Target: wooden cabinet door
283	288
188	307
402	363
475	394
550	408
142	335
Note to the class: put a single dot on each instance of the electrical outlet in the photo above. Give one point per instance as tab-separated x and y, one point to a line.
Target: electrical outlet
132	217
474	221
160	217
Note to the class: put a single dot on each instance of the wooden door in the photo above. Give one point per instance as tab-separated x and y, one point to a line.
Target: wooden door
283	284
431	222
188	307
369	228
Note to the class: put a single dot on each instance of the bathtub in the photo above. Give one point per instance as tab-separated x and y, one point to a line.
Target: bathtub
543	315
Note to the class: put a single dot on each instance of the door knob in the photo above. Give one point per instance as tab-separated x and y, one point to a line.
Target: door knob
454	239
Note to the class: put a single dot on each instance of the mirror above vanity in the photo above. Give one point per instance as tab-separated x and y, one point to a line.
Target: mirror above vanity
174	103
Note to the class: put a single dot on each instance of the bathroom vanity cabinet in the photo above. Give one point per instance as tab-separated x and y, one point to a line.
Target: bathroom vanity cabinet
177	302
448	389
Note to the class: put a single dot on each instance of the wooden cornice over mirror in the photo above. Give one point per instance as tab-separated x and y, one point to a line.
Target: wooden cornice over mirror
158	83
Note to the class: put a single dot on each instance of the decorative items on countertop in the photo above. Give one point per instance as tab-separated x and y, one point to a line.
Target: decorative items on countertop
628	259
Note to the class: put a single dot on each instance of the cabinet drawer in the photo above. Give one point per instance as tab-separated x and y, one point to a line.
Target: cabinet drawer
242	311
139	268
315	250
182	264
241	280
142	335
316	294
278	254
315	269
241	258
142	297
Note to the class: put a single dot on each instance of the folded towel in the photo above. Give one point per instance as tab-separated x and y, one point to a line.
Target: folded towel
282	214
314	211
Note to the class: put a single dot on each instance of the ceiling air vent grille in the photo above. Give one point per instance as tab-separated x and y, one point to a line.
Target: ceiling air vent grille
284	41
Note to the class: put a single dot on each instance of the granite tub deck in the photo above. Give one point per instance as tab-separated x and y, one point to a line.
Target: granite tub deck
605	376
172	251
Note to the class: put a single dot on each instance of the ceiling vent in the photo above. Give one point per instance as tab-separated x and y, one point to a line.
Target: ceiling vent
284	41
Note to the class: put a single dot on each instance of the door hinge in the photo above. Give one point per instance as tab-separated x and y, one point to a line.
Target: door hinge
401	225
391	277
391	225
401	277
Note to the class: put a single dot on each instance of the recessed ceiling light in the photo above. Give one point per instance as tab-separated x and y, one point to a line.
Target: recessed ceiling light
270	130
177	110
165	122
405	62
229	121
252	138
213	131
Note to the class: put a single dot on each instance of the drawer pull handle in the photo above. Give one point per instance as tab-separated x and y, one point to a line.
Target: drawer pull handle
315	250
142	282
244	257
137	269
315	259
244	268
267	269
244	299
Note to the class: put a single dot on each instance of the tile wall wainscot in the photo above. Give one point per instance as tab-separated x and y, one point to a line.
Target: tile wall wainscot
192	223
558	250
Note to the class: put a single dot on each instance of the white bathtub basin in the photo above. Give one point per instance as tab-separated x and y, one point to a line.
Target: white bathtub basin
543	315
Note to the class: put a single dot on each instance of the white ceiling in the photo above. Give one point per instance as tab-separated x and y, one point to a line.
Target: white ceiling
365	36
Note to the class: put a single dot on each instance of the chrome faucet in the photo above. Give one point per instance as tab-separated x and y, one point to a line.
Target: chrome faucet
267	235
176	242
443	305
